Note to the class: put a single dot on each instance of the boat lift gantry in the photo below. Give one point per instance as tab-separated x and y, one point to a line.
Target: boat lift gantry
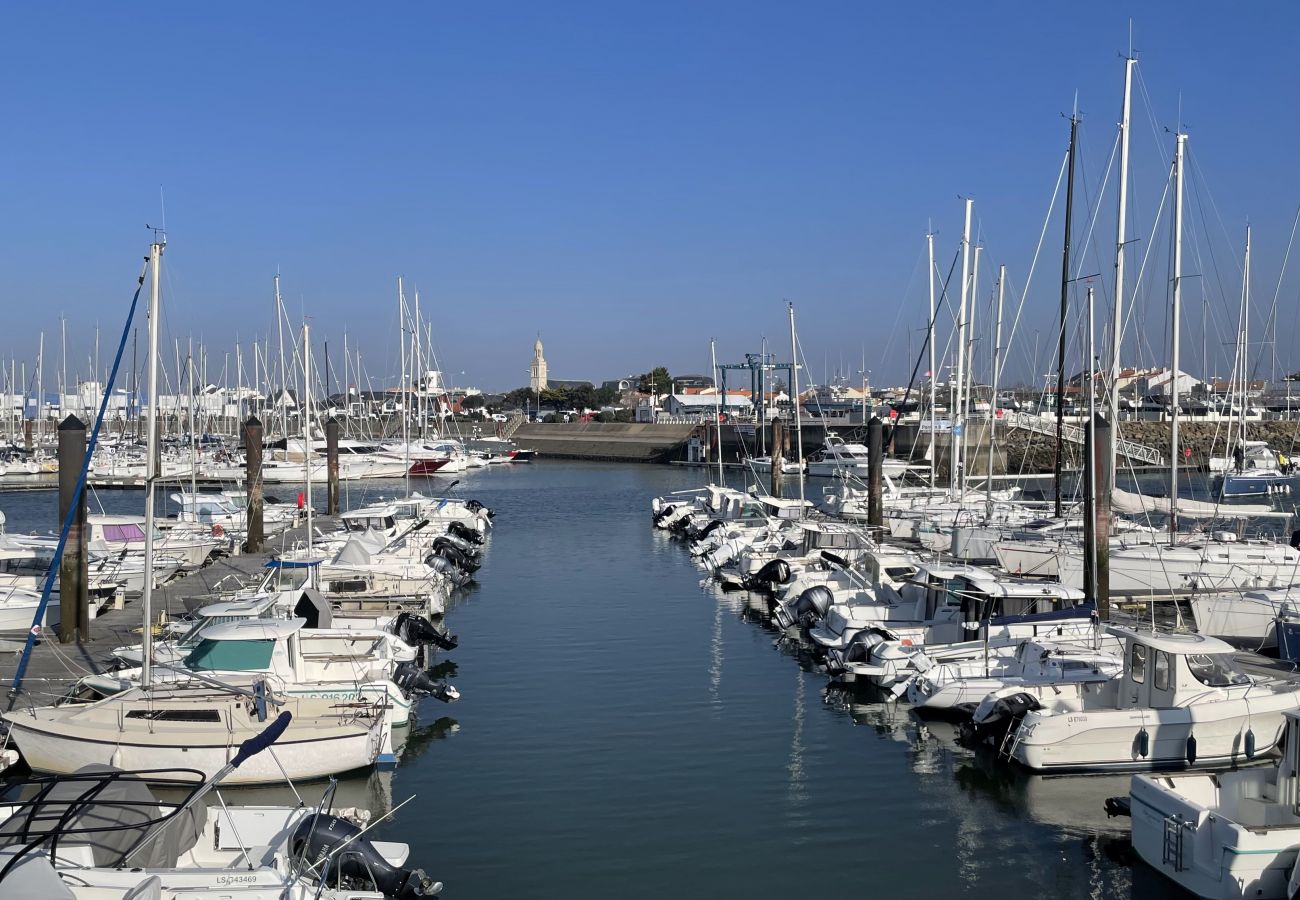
758	365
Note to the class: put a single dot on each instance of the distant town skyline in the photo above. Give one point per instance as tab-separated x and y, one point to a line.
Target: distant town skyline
633	181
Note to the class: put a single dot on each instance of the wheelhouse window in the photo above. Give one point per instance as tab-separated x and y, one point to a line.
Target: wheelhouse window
129	533
1138	664
1216	669
1164	666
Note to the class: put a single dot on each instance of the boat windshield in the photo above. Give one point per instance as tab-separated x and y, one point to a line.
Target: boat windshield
230	656
1216	669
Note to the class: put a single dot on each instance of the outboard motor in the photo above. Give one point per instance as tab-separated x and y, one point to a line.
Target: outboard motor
356	865
447	569
415	630
464	532
420	683
449	540
476	506
813	603
774	572
1295	539
700	534
995	717
452	555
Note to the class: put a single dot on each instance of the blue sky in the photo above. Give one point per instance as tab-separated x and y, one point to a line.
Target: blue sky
629	179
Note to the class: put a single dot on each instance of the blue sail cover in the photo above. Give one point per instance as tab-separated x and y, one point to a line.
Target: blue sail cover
1084	610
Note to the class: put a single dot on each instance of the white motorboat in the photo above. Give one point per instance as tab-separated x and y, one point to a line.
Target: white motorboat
125	534
844	459
1182	701
18	608
1042	661
1226	835
341	664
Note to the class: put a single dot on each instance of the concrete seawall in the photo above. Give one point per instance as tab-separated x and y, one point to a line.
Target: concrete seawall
623	442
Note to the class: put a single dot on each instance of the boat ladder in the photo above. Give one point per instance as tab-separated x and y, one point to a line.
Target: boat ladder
1175	828
1075	435
1010	741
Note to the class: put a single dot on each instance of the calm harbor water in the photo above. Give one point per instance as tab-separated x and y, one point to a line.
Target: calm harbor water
629	732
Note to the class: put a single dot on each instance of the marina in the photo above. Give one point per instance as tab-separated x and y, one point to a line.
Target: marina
583	451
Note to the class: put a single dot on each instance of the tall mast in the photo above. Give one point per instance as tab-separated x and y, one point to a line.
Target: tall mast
717	405
1176	326
284	382
934	372
406	437
151	459
970	329
997	371
798	415
1121	239
194	437
957	416
306	420
1065	300
1244	338
1089	470
417	368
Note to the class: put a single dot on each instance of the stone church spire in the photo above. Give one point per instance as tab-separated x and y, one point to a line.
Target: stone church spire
537	370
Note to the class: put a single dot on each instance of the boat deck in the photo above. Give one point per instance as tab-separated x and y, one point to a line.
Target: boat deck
54	666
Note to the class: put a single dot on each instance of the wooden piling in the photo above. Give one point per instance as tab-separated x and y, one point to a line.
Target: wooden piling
74	602
875	471
253	483
332	464
777	455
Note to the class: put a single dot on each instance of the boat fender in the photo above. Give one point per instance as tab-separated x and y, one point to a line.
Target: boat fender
358	865
1143	743
1250	743
1191	749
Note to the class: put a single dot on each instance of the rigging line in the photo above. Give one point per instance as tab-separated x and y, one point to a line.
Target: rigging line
1042	236
77	493
929	332
1146	256
1271	327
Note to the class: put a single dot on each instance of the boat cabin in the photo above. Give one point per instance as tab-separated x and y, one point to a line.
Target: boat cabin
1162	671
379	518
958	601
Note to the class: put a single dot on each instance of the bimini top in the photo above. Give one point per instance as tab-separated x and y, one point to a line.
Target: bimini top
242	606
1180	643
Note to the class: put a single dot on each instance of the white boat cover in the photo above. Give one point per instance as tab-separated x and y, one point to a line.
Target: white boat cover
1138	504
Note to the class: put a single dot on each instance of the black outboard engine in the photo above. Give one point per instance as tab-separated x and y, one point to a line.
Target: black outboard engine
775	572
700	534
1295	539
812	604
1005	715
447	569
449	540
356	865
415	630
464	532
418	682
460	560
475	506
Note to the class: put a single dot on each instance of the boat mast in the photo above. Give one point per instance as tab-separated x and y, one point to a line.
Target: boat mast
417	369
1244	338
1121	231
717	406
194	439
151	458
997	371
284	383
934	372
1065	300
306	421
970	348
406	437
1089	470
1177	319
957	416
798	416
